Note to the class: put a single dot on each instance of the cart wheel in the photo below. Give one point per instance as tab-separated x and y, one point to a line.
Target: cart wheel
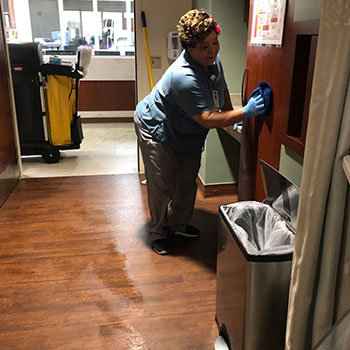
51	156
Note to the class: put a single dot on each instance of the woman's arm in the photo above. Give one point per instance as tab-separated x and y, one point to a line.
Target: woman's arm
218	119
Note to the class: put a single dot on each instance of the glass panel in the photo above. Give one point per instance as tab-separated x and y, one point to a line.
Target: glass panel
63	25
44	20
77	5
91	28
111	6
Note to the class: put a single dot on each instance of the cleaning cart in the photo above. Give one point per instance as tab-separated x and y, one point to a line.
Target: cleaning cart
46	98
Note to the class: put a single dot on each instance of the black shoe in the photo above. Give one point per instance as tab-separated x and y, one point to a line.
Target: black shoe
189	232
160	246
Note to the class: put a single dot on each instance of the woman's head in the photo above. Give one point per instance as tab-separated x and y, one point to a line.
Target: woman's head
194	26
198	33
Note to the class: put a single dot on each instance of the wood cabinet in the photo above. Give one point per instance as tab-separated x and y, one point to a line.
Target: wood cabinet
289	70
8	157
300	69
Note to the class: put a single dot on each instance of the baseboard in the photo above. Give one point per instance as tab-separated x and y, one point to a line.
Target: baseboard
209	190
9	178
107	120
216	190
106	116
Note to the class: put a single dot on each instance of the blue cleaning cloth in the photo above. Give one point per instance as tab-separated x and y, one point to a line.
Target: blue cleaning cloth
265	90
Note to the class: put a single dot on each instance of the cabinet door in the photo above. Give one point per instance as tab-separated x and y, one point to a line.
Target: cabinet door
8	165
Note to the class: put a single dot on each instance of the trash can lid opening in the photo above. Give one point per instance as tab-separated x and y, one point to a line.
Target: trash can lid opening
259	229
282	194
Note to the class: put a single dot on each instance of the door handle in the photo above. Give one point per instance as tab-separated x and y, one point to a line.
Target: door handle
243	86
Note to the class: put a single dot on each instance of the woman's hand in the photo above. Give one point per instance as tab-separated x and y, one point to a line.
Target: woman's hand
254	107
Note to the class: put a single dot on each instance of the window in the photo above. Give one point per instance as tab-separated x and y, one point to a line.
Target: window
63	25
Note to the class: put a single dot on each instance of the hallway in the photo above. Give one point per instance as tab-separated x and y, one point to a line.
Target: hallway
107	148
78	273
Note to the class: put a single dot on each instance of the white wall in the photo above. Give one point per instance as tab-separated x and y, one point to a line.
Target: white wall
161	18
22	16
106	67
44	17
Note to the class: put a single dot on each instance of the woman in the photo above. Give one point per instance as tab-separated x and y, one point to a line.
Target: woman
173	121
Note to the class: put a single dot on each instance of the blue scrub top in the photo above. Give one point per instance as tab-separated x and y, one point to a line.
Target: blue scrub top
185	90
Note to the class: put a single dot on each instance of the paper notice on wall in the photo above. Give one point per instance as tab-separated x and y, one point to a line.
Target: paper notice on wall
267	22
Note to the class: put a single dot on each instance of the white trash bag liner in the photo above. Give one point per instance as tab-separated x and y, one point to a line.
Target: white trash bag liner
259	229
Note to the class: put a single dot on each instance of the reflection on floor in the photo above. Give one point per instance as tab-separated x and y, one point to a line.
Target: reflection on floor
107	148
77	271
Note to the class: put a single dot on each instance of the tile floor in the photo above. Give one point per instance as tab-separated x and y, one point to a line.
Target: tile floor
107	148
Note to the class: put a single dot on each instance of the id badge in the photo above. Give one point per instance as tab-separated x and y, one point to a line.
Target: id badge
216	98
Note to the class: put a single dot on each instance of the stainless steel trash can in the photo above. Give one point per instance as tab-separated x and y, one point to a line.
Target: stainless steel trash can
255	247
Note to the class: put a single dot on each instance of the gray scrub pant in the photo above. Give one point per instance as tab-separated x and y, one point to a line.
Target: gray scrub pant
171	181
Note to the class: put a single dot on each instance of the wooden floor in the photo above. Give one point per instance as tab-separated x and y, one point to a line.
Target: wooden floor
77	271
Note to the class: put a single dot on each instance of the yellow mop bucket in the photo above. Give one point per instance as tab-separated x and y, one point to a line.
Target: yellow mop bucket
61	95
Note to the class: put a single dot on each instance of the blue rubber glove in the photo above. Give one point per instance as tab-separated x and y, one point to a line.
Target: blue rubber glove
235	126
254	107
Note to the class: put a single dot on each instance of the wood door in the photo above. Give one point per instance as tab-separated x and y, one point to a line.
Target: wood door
263	136
8	158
